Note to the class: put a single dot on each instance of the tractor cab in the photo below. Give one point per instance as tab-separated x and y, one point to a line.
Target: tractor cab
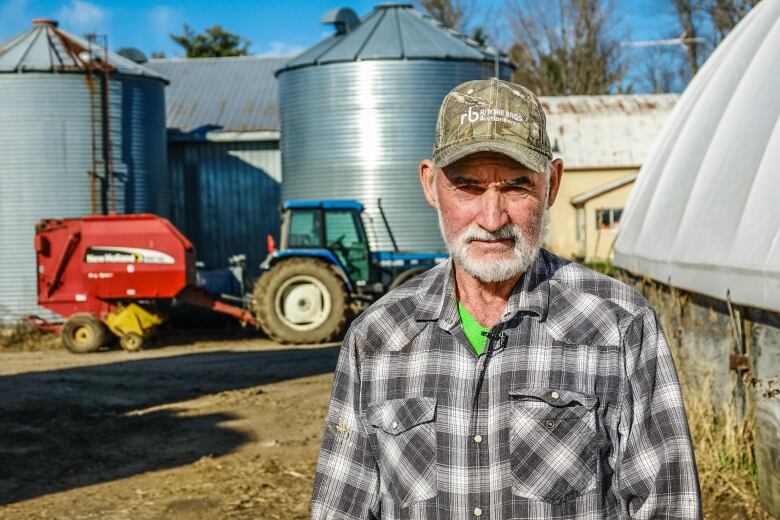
332	229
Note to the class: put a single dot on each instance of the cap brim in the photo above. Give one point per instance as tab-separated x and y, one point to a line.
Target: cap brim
531	159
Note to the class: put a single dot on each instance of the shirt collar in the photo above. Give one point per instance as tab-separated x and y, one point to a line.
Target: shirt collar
436	299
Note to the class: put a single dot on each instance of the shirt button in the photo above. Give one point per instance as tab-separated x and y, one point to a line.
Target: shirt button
555	395
477	512
478	438
394	425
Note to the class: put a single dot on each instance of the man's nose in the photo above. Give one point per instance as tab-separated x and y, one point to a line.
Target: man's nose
493	214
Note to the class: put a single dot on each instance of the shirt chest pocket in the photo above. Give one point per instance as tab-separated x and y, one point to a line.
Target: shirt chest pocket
552	441
403	435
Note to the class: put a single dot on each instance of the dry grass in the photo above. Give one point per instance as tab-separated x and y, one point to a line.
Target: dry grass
724	455
23	337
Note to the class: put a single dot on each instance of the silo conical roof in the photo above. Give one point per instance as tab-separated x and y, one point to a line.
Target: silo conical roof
705	213
394	32
46	48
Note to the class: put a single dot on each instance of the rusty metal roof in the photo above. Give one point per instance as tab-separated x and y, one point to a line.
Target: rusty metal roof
591	132
235	94
46	48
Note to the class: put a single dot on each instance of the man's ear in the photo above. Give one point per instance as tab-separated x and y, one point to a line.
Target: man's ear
427	172
555	181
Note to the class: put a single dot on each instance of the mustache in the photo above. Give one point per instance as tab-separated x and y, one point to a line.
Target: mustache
475	232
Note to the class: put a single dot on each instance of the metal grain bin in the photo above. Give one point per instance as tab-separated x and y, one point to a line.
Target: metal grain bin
358	113
52	129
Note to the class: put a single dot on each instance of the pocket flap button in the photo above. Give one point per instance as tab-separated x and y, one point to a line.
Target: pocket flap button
555	395
394	425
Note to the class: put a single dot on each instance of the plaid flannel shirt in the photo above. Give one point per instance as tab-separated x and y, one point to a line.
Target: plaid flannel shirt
574	410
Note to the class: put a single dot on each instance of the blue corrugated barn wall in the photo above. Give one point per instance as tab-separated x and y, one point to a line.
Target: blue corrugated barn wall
225	197
223	155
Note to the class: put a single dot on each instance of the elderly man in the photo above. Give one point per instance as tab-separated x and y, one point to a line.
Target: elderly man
507	383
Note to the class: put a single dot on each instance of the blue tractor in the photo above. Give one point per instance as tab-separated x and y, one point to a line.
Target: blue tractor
324	272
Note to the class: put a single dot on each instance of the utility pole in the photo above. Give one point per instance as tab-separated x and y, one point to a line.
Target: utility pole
656	45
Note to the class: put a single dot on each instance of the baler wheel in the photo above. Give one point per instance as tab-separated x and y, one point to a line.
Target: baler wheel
302	300
131	342
83	333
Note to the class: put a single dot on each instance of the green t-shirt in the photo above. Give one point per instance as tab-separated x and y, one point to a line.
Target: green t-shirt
473	330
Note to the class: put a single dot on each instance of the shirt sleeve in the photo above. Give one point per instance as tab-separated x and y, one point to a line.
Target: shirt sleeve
655	468
346	483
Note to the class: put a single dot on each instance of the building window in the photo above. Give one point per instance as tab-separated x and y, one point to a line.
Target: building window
608	218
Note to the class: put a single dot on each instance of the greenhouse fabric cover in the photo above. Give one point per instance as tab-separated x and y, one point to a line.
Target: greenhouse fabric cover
704	215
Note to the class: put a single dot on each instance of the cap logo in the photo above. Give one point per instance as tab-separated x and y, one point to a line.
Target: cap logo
493	115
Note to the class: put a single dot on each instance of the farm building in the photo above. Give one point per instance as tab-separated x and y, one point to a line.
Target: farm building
703	223
603	141
223	154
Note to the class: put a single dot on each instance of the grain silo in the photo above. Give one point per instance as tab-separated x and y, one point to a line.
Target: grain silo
358	112
82	131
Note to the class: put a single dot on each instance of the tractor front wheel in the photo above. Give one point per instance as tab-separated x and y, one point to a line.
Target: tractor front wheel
302	300
83	333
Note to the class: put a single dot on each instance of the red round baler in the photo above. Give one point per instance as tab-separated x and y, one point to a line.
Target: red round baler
110	271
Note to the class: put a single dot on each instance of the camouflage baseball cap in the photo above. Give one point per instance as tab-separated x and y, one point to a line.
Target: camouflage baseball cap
490	115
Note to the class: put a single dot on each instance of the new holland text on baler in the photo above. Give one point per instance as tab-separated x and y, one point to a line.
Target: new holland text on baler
112	272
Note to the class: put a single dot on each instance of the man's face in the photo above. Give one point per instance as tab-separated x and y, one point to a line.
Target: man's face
492	212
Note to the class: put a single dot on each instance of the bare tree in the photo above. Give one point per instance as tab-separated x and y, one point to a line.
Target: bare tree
692	20
659	71
566	47
710	21
726	14
455	14
459	15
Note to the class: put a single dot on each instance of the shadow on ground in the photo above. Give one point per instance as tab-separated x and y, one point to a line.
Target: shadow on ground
75	427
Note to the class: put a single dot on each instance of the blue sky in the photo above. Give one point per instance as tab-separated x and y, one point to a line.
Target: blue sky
274	27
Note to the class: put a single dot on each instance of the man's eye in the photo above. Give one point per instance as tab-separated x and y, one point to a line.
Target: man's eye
517	186
471	188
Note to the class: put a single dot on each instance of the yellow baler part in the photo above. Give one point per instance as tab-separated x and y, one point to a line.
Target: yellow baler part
132	318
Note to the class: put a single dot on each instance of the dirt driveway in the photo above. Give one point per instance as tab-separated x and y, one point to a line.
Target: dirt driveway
226	429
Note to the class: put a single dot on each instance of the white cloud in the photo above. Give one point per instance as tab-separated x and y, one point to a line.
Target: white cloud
83	16
164	18
277	48
162	21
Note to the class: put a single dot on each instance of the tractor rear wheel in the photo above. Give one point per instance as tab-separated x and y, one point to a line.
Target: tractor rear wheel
405	276
83	333
302	300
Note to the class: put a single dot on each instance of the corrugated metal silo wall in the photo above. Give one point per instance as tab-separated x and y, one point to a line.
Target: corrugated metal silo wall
46	124
359	130
225	198
143	147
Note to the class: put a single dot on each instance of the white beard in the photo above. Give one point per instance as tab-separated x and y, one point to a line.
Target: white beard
490	269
